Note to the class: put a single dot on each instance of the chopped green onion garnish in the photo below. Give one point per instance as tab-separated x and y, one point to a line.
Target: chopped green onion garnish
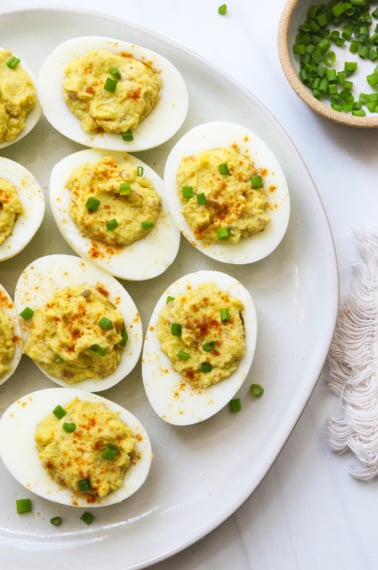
145	225
223	233
56	521
201	199
125	338
98	350
256	181
111	224
105	323
114	72
206	367
84	485
256	390
169	299
208	345
222	9
13	62
176	329
110	452
182	355
69	427
27	313
235	405
59	412
57	359
224	315
187	192
127	136
23	506
87	517
223	169
110	84
92	204
140	171
124	188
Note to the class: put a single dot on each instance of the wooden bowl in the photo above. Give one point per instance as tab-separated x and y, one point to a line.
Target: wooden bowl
293	14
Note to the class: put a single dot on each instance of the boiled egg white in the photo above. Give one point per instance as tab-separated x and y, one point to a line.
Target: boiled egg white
40	280
20	456
143	259
33	116
33	202
174	400
159	126
7	306
222	134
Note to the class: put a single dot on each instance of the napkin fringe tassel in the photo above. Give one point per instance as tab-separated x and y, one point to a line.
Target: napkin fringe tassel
353	364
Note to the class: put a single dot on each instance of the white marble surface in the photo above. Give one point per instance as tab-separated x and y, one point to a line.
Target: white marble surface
308	513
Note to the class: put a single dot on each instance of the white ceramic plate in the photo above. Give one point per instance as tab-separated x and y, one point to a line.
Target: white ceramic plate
201	474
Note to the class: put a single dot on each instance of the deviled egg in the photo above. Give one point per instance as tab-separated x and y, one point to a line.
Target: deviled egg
227	192
110	94
10	336
42	438
79	324
22	207
111	209
19	106
199	346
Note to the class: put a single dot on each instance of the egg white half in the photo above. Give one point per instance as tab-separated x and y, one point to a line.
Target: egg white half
19	453
159	126
145	258
39	281
175	401
7	306
33	202
33	117
219	134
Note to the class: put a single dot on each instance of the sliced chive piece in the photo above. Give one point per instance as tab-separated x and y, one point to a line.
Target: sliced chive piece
146	224
92	204
124	188
59	412
256	390
110	452
256	181
222	9
234	405
206	367
187	192
125	338
105	323
176	329
13	62
69	427
223	169
87	517
140	171
27	313
209	345
223	233
23	506
182	355
56	521
57	359
98	350
110	84
111	224
169	299
127	136
114	72
224	315
84	485
201	199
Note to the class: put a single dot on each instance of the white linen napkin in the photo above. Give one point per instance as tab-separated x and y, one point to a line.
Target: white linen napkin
353	364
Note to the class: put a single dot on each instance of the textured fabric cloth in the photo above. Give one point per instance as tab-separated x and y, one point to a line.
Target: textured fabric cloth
353	363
